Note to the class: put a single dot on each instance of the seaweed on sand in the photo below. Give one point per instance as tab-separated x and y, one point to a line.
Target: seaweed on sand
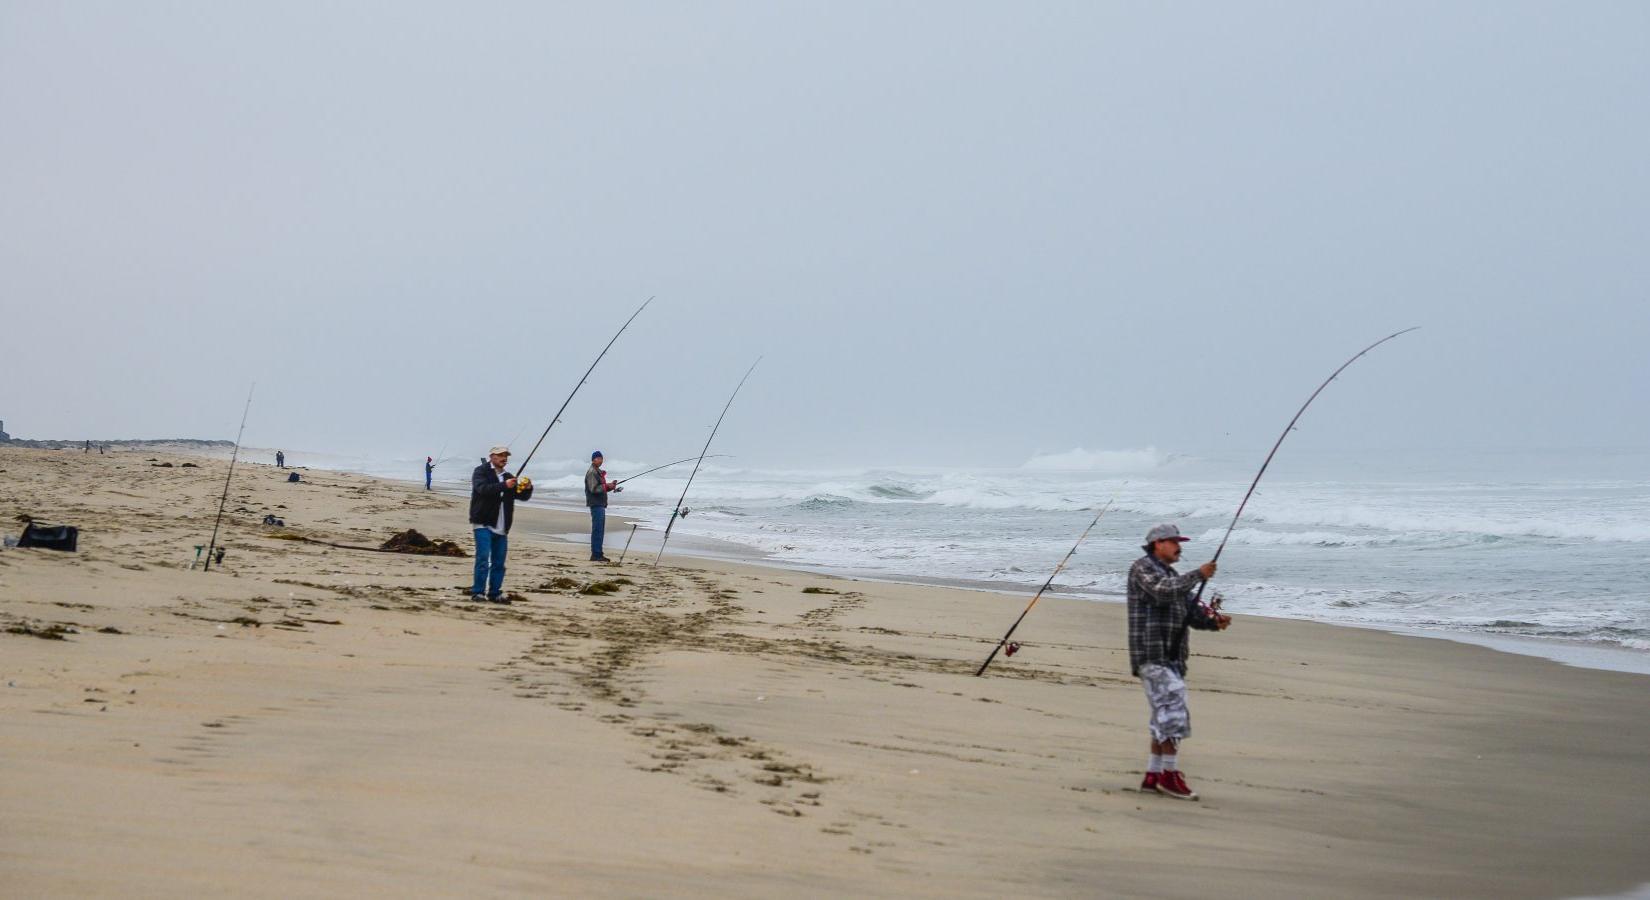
411	541
53	632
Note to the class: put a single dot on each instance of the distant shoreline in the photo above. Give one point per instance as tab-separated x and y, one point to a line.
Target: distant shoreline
121	444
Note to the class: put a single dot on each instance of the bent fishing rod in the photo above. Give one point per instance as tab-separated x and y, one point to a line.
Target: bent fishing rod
687	459
224	500
1286	430
582	379
678	512
1039	595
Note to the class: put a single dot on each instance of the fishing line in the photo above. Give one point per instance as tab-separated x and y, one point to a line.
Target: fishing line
668	465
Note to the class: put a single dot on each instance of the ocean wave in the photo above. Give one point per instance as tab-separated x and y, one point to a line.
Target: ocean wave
991	497
823	502
1257	537
1610	636
1408	518
895	492
1422	524
1106	462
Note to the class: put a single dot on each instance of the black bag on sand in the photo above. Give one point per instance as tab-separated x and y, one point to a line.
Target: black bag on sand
50	537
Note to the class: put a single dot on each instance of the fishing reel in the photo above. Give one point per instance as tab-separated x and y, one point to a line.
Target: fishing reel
1012	648
524	484
681	512
1209	615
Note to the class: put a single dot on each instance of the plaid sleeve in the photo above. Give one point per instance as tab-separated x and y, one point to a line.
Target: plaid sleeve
1159	586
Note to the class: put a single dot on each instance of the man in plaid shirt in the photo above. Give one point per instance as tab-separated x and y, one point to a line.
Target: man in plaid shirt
1161	609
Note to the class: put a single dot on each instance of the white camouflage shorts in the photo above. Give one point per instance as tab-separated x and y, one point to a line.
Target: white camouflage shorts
1166	692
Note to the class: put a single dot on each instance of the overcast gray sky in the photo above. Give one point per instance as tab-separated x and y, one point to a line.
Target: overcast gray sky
960	233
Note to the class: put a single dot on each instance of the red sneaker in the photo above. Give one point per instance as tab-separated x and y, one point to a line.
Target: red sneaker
1173	784
1149	786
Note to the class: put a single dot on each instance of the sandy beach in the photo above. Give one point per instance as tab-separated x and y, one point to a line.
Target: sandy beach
306	720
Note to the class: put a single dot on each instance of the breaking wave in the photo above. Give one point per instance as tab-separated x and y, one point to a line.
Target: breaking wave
1099	462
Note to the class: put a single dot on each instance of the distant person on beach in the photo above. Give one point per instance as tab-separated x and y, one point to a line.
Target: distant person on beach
596	489
493	496
280	460
1161	610
429	471
88	447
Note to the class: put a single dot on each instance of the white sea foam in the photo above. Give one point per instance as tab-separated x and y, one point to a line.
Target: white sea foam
1099	462
1256	537
1582	524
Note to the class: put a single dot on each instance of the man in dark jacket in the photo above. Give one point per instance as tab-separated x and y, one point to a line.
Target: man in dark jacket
493	496
1161	609
596	489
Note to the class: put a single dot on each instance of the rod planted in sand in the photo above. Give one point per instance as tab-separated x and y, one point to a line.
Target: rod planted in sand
1039	595
222	501
627	542
678	512
1286	429
557	417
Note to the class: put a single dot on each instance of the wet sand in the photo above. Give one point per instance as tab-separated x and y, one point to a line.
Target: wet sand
308	720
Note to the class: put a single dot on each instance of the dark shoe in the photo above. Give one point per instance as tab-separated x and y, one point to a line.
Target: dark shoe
499	599
1149	786
1173	784
478	598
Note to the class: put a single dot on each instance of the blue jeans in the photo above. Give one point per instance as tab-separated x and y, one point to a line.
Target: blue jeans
598	530
490	550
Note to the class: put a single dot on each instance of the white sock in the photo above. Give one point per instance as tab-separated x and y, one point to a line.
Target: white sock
1168	762
1155	763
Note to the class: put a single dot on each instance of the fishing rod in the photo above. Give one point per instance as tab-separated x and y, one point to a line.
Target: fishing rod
1286	430
668	465
553	419
678	512
224	500
1038	596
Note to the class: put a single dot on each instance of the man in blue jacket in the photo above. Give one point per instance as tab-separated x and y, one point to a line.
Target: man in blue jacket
493	496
